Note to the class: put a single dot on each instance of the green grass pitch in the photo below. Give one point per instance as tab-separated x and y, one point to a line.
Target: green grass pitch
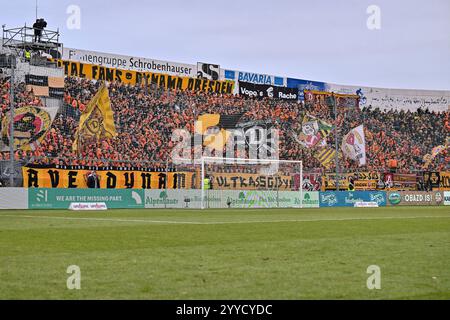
226	254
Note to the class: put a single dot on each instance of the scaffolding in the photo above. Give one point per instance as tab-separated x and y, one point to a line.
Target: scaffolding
22	39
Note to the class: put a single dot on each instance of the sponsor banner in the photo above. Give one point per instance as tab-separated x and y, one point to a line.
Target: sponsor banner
415	198
189	198
302	85
395	99
446	198
76	178
13	198
114	61
208	71
45	198
255	78
230	199
260	91
349	198
261	199
167	81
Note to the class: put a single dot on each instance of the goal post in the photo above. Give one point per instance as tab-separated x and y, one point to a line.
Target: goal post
251	183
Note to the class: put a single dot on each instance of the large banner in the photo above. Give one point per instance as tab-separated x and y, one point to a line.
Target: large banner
115	61
260	91
396	99
253	181
349	198
76	178
301	85
167	81
415	198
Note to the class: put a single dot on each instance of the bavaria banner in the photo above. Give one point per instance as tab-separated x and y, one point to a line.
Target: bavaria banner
251	77
260	91
349	198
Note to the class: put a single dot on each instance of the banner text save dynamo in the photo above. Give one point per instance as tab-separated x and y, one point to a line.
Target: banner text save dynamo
95	72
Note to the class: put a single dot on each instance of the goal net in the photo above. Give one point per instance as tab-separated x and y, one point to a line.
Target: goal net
251	183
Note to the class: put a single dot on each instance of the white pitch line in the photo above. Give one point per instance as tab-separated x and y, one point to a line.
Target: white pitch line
219	222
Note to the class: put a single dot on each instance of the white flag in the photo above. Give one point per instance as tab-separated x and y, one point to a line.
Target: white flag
354	145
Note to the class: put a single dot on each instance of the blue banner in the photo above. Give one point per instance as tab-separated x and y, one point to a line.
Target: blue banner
348	198
255	78
301	85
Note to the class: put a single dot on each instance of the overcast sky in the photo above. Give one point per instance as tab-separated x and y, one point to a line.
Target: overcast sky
317	40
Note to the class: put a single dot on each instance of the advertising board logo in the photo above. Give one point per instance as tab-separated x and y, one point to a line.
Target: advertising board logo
447	198
395	198
137	198
42	196
308	201
377	197
438	197
329	199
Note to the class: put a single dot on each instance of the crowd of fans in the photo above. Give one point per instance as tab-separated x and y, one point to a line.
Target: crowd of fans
146	117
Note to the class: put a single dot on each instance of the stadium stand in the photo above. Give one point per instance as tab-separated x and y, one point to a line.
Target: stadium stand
145	120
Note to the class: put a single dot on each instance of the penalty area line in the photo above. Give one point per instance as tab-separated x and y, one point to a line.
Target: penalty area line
218	222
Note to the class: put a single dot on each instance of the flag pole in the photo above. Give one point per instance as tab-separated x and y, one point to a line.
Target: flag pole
336	142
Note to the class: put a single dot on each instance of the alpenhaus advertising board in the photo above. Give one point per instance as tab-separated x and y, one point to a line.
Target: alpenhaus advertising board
54	198
97	72
349	198
230	199
415	198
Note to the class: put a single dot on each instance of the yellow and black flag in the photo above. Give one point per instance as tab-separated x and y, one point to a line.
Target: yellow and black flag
325	156
97	121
